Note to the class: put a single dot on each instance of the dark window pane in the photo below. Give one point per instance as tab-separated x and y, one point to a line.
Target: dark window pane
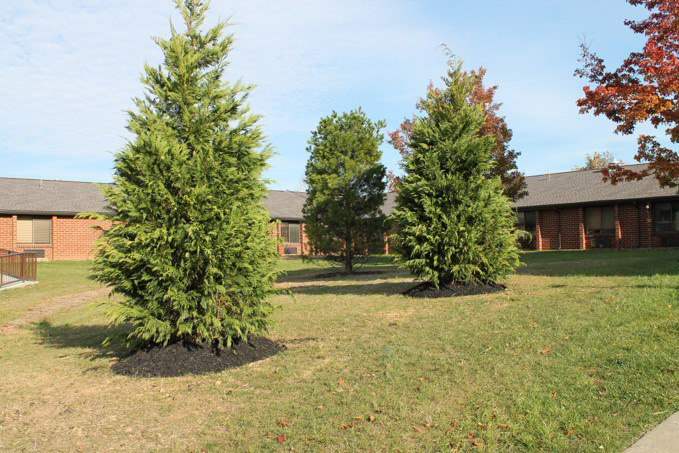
663	216
530	220
593	219
525	220
520	219
294	233
608	219
290	232
600	220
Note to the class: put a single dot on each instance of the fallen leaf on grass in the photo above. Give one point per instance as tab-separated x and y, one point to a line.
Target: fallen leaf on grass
371	418
282	424
426	425
503	426
281	438
569	433
545	351
455	422
418	430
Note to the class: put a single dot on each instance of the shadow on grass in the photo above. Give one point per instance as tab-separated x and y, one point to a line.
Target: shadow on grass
601	263
357	289
89	337
318	270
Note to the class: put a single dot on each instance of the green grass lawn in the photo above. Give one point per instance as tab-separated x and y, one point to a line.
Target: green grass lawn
56	279
580	352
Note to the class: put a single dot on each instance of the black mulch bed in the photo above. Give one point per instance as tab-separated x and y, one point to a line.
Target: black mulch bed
428	291
182	358
346	274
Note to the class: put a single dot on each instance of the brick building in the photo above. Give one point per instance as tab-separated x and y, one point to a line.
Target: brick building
39	216
576	210
571	210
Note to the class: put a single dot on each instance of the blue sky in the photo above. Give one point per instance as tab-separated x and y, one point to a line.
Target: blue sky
71	67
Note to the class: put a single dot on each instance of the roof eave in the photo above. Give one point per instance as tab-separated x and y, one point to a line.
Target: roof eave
597	202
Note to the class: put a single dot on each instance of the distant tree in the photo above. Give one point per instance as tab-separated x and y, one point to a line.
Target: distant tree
190	249
346	185
644	88
502	156
598	161
453	223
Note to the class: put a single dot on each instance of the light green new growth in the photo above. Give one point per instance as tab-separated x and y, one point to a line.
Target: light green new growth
190	248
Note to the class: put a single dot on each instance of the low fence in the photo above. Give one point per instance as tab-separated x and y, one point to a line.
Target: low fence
17	267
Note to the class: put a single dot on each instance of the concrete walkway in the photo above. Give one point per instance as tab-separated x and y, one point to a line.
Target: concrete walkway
664	438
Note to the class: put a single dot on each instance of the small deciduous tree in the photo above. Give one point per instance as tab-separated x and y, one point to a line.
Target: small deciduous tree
189	249
346	184
644	88
453	223
597	161
502	156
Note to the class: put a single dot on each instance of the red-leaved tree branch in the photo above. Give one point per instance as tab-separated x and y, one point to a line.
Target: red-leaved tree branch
644	88
504	158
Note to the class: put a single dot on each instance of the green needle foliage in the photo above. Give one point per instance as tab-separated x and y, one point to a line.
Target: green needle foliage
189	247
454	225
346	183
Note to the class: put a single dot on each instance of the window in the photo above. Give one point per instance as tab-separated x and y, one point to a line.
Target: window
666	217
290	232
34	230
525	220
600	220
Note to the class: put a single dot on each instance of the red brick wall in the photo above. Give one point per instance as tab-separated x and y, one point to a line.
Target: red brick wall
548	222
73	239
627	226
630	220
6	232
571	221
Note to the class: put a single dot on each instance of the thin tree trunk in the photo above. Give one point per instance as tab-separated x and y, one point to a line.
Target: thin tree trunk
348	257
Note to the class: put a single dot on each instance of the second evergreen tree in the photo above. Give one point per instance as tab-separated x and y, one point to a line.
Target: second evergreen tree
454	225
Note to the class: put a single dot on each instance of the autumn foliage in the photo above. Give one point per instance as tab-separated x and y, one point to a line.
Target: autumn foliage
494	125
645	88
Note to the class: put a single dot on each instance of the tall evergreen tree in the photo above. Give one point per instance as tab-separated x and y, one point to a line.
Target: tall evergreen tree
454	225
189	248
346	184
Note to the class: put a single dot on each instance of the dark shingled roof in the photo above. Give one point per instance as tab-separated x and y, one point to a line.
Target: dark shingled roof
35	196
587	187
287	205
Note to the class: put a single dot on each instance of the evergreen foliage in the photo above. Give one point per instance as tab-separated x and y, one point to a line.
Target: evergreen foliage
189	247
454	225
346	183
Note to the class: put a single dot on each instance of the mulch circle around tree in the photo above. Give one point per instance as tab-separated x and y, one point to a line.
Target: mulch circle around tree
428	291
345	274
182	358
